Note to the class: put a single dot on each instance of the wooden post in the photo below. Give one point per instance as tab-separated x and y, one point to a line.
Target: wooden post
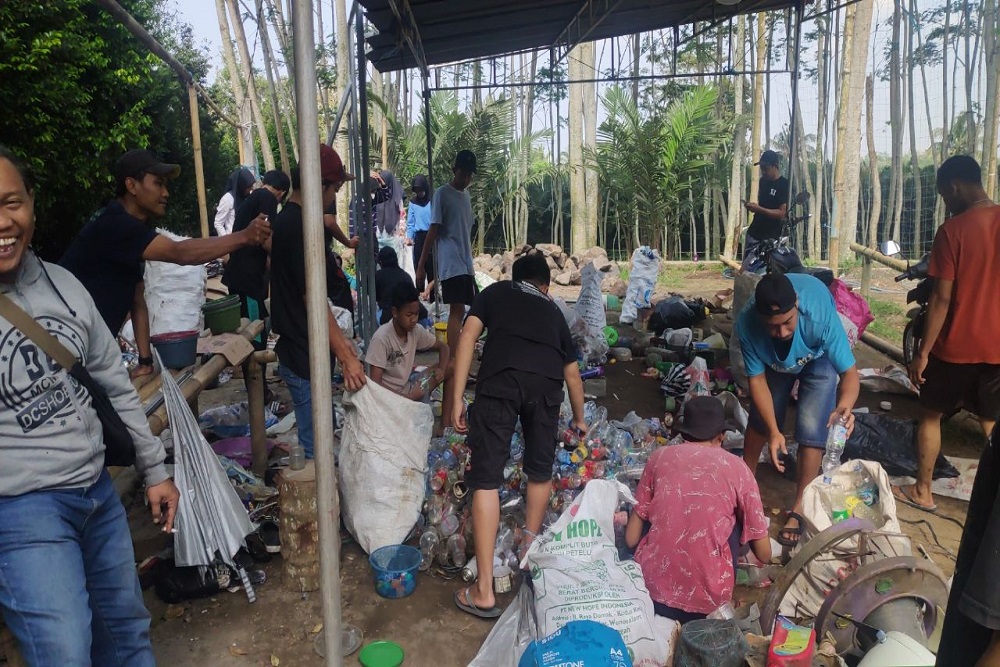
255	397
866	276
199	166
299	528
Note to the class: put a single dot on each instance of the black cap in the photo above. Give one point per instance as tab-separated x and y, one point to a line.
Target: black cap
769	157
704	418
466	160
137	162
775	295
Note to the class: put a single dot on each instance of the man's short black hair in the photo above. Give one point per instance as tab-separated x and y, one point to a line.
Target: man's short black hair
532	268
961	168
19	166
277	179
404	294
387	257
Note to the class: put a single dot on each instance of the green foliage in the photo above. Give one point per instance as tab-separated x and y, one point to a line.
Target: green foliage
890	318
649	164
79	90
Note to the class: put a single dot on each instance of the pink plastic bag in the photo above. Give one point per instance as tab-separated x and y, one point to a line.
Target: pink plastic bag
851	305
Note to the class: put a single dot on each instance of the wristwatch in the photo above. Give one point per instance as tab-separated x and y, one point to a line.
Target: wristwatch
145	361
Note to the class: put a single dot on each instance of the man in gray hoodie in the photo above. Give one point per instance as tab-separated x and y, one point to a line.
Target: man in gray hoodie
68	586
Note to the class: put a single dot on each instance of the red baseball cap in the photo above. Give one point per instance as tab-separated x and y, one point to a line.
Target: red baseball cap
331	166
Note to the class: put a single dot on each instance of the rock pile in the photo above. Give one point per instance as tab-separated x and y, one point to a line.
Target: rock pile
565	267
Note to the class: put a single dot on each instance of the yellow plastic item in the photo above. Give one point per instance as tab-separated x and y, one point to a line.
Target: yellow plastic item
441	331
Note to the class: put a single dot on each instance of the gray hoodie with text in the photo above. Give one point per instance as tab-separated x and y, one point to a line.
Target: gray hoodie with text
50	436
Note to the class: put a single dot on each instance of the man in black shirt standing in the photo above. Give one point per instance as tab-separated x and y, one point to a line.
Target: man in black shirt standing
771	207
246	271
108	255
528	355
288	299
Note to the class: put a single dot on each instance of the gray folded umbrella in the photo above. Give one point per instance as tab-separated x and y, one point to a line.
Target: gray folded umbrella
211	522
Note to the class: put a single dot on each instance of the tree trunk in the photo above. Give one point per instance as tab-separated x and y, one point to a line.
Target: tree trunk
823	85
876	208
343	44
991	52
945	119
857	28
636	54
578	187
896	126
247	153
590	123
970	69
914	155
258	117
758	106
736	188
279	131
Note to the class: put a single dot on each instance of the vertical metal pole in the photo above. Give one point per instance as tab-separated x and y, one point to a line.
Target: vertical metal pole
792	143
199	166
366	263
327	501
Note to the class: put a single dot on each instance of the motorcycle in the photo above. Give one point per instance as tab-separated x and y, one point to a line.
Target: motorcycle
778	255
920	295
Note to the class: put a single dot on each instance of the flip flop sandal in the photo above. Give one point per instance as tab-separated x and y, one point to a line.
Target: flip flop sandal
470	608
785	530
903	497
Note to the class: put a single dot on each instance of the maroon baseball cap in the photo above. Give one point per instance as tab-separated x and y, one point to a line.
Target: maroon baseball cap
331	166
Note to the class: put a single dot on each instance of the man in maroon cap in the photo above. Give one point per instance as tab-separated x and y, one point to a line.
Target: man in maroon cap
288	298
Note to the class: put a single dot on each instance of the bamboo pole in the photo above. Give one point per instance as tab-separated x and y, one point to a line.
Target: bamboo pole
199	165
879	258
327	502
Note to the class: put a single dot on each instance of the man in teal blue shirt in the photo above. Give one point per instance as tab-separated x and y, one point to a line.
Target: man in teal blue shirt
791	331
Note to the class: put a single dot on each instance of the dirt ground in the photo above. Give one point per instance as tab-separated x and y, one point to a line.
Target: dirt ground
280	627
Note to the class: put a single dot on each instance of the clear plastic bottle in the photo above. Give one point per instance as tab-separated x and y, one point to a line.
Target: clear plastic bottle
835	443
838	503
456	549
865	486
297	457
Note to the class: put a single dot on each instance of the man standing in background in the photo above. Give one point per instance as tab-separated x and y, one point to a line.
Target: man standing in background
770	209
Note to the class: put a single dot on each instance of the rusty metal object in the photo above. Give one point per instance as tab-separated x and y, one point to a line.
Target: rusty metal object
875	585
824	544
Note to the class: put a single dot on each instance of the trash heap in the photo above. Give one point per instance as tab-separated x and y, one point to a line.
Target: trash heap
610	450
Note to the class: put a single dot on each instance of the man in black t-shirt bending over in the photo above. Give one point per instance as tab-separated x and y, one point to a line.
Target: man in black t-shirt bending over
528	355
771	207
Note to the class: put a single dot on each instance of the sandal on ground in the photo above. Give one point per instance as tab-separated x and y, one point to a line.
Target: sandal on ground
784	537
901	496
469	607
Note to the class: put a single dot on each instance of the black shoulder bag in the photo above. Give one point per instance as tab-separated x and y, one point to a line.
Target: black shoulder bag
118	443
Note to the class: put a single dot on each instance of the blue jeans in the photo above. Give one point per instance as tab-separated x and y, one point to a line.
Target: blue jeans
302	400
817	399
68	587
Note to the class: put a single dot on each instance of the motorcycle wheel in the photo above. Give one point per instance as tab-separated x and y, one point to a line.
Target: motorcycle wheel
910	343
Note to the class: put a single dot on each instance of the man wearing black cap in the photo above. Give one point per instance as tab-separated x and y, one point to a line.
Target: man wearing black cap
108	254
789	332
700	504
771	207
450	239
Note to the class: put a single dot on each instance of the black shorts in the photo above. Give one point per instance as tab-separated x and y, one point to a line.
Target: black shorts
460	289
974	604
950	387
500	400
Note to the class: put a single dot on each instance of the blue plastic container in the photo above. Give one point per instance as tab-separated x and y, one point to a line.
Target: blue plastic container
177	350
395	570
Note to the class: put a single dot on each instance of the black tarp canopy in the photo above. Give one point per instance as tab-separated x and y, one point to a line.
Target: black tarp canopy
446	31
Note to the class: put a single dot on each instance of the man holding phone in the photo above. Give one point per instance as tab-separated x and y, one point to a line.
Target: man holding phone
770	209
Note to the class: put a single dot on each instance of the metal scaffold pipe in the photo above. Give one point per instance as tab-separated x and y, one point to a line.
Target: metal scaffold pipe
327	502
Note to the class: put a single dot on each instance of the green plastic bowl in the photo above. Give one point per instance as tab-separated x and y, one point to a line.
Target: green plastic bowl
381	654
222	315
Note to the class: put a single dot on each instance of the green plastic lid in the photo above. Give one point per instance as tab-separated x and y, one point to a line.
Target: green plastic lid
381	654
611	334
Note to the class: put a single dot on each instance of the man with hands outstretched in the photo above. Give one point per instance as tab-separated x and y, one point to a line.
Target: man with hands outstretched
791	331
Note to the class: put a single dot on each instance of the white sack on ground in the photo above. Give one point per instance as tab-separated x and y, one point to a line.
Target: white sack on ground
382	464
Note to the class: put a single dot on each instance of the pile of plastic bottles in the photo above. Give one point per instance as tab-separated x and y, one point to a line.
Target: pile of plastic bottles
605	452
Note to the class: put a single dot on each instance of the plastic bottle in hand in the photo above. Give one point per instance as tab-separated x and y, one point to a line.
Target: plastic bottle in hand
835	443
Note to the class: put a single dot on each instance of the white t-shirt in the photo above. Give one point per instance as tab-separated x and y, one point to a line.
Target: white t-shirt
394	355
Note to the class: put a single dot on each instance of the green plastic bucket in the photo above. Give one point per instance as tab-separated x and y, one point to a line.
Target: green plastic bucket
222	315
